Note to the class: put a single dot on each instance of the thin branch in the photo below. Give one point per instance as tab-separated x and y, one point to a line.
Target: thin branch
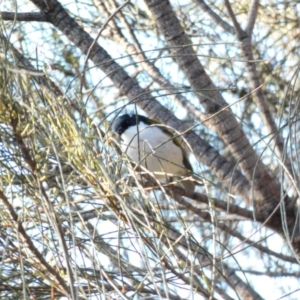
238	29
252	16
223	205
233	280
207	217
218	20
118	9
279	273
187	279
62	286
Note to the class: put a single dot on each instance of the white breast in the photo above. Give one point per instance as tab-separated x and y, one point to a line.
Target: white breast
154	150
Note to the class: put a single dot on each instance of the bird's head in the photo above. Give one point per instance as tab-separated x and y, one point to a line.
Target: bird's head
123	122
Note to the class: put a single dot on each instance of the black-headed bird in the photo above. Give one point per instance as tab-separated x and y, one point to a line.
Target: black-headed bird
154	148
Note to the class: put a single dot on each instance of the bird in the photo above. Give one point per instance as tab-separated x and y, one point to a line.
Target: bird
154	148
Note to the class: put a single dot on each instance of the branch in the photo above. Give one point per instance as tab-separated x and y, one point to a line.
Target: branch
222	205
245	39
213	102
218	264
252	17
227	27
238	29
31	167
246	45
204	215
62	286
268	204
28	17
280	273
111	16
173	239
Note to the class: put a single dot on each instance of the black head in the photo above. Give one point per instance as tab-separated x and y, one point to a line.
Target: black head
123	122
